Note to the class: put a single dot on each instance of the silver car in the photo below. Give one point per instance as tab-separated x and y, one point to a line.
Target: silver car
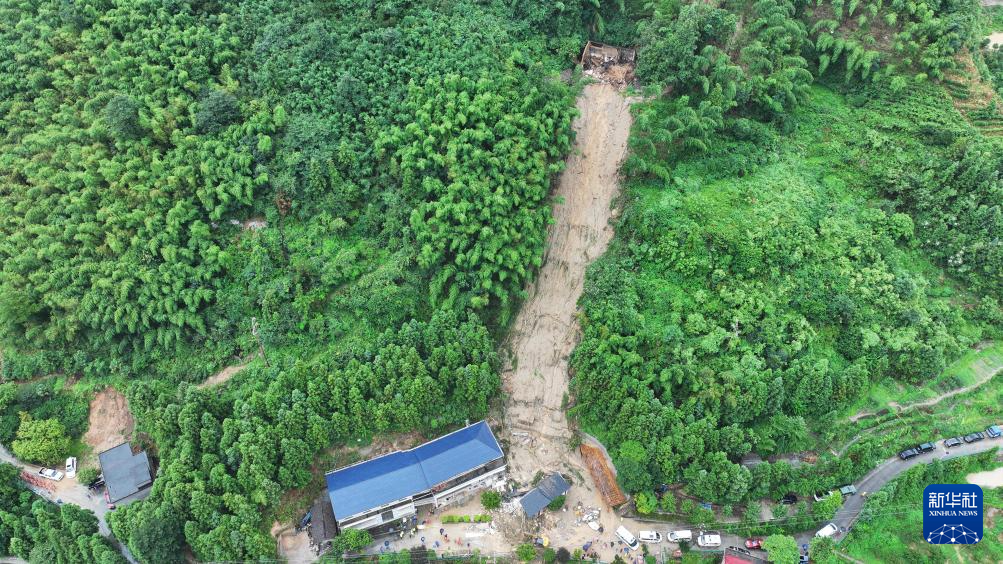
51	474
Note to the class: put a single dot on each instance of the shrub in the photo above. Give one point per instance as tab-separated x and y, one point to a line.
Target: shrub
87	475
491	500
556	504
526	552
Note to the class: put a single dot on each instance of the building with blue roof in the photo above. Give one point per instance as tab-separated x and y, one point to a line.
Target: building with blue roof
389	489
549	489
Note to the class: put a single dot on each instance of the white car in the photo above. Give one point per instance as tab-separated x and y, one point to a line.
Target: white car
827	531
709	539
679	536
51	474
71	467
649	536
627	538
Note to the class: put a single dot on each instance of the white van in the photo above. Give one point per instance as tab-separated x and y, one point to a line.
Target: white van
680	536
627	538
827	531
71	467
649	536
709	539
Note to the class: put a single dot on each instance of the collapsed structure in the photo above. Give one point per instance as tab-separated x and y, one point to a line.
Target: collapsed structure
549	489
380	493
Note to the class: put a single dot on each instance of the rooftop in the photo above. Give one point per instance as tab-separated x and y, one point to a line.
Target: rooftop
125	473
547	490
398	475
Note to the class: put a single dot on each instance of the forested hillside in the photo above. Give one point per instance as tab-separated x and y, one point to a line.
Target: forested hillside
359	189
353	195
785	247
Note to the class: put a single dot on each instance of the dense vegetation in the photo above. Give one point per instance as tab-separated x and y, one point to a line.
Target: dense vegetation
784	248
42	532
44	410
359	190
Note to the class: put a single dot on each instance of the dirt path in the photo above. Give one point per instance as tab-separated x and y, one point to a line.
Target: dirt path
224	375
545	332
982	368
110	422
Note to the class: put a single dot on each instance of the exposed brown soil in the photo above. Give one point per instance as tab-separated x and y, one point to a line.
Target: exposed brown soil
224	375
110	423
546	330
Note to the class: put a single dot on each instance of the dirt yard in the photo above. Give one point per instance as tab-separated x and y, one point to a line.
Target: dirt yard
995	39
110	422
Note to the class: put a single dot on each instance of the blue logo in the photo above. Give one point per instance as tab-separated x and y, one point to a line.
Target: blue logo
952	514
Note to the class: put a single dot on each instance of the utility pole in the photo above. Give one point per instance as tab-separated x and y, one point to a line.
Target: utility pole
257	336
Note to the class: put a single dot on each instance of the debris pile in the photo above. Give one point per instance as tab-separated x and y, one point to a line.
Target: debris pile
609	64
602	476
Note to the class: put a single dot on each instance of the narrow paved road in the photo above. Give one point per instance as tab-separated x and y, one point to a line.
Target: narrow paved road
888	471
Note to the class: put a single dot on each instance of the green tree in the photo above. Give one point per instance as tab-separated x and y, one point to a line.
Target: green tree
646	502
491	500
823	550
351	540
41	441
828	507
781	549
525	552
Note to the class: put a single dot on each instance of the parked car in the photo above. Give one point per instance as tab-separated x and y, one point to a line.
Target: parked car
681	536
627	538
71	467
926	447
848	490
107	499
952	442
54	475
709	539
756	543
819	496
974	437
649	536
789	499
994	431
908	453
827	531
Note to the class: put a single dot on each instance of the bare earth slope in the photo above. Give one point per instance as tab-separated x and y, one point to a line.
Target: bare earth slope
546	330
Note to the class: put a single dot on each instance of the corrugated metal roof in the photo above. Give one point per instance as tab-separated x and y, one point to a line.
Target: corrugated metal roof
398	475
547	490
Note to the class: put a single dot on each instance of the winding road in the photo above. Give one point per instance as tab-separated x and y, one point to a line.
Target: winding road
888	471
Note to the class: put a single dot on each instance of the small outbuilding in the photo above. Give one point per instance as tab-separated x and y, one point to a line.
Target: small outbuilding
549	489
127	475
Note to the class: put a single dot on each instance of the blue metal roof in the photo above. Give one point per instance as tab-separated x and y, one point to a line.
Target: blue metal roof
550	488
398	475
